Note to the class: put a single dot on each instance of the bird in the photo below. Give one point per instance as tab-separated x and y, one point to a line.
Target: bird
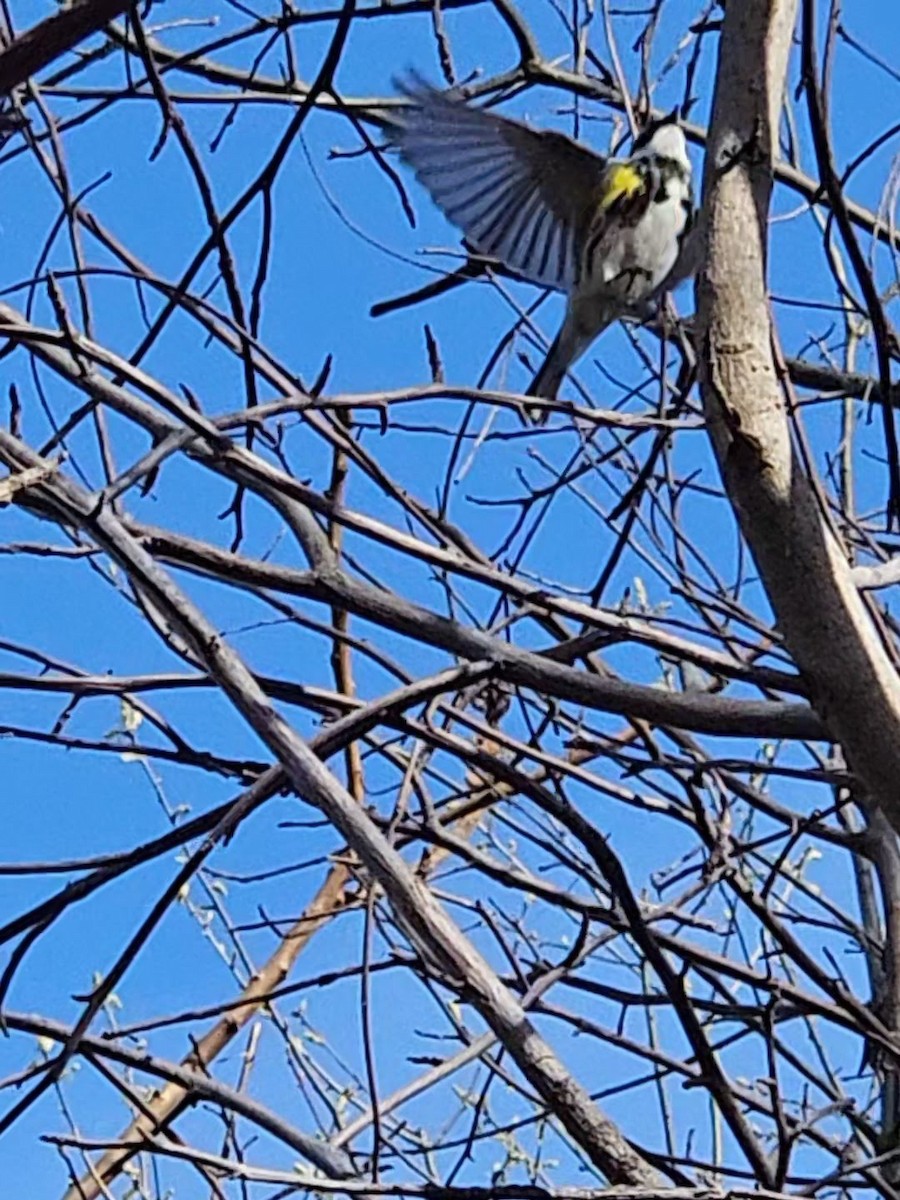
609	232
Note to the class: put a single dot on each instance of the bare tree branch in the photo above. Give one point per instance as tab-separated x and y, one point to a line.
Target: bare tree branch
47	41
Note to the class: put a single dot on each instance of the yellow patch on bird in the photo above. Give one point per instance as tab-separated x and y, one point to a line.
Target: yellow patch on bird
624	181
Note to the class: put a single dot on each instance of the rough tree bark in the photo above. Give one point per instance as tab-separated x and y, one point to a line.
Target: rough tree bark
828	627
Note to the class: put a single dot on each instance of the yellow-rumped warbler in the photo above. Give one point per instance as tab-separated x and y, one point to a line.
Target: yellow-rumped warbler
608	232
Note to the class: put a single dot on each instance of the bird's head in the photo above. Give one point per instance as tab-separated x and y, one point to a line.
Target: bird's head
663	139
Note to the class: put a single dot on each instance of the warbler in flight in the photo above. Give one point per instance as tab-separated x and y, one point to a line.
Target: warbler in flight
606	231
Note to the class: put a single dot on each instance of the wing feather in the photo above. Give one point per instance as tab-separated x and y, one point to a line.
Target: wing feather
523	196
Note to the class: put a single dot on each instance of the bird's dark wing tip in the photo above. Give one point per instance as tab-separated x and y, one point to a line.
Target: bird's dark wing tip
412	84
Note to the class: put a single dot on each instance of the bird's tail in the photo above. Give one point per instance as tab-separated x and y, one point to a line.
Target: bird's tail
547	381
578	331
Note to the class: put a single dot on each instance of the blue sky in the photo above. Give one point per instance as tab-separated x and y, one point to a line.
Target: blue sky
341	244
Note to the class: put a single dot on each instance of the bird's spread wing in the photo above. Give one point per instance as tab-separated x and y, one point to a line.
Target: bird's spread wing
522	196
